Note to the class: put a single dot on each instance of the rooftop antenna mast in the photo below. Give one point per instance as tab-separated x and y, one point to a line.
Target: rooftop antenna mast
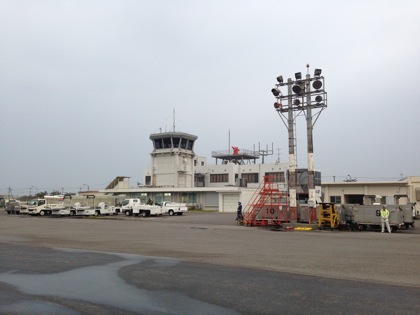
265	152
173	122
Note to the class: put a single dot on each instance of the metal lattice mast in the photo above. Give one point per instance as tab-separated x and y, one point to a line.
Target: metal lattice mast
301	99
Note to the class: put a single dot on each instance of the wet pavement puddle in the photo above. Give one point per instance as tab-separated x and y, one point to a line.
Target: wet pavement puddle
101	284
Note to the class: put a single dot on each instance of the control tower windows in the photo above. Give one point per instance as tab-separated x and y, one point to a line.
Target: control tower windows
167	143
190	145
176	142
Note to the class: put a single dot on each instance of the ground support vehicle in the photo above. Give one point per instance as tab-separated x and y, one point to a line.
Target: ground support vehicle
362	217
133	206
409	215
103	209
88	207
85	206
43	206
269	206
100	209
144	210
173	208
12	207
129	206
328	216
67	209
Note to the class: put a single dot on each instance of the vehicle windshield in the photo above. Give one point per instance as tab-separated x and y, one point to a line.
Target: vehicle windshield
33	203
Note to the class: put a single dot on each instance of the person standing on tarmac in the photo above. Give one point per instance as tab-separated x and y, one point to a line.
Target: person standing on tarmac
239	211
385	219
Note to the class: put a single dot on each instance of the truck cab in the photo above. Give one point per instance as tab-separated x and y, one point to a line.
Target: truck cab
46	205
36	206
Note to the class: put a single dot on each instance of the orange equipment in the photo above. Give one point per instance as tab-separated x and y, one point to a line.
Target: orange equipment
268	206
235	150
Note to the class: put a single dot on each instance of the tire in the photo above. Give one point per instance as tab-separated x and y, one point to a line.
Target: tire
171	212
72	213
97	213
143	214
42	213
127	213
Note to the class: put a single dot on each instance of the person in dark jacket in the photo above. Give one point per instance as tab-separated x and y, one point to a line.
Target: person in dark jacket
239	211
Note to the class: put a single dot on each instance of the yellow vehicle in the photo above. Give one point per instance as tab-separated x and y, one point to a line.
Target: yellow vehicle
328	216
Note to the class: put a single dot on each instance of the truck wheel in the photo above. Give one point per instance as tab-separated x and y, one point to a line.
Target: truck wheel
72	213
127	213
143	214
42	213
171	212
97	213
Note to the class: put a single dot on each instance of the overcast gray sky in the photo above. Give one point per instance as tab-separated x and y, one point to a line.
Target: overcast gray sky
84	83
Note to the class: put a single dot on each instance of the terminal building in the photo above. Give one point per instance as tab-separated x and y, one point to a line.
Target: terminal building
176	174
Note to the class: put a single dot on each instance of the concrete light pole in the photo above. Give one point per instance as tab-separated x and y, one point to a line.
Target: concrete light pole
292	155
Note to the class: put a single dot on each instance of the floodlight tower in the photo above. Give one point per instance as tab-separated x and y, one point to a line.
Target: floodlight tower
301	100
289	122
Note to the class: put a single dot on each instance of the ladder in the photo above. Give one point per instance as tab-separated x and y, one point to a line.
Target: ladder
268	205
328	216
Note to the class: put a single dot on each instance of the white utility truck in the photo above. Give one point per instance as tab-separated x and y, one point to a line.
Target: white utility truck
173	208
133	206
43	206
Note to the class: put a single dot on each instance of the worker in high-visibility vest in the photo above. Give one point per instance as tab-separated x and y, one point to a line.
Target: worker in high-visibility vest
385	219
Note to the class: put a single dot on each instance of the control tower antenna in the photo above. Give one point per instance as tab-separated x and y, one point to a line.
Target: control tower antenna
173	121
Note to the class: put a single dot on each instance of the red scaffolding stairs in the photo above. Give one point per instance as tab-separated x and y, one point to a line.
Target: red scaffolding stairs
268	206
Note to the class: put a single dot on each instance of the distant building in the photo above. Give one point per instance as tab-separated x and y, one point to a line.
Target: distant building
366	193
177	174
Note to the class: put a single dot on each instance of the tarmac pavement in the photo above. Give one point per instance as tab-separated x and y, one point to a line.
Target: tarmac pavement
214	238
201	263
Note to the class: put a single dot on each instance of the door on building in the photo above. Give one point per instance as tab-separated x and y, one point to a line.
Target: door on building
230	202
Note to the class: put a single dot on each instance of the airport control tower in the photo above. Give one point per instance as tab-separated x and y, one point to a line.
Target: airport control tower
172	159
